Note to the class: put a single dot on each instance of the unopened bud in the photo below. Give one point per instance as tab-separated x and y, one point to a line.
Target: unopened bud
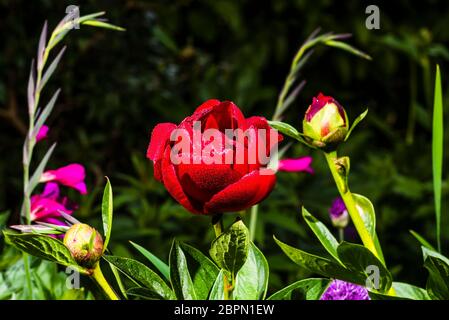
85	244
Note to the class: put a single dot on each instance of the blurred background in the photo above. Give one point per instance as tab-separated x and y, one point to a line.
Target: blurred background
116	86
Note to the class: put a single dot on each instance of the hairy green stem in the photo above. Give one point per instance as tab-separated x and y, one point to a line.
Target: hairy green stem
98	277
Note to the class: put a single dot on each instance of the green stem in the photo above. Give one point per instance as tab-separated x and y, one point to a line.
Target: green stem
348	199
253	222
341	234
98	277
26	265
217	223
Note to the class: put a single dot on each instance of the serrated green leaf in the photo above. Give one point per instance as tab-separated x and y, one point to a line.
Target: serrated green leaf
307	289
159	264
230	249
323	234
179	274
142	275
44	247
356	122
252	279
205	275
360	261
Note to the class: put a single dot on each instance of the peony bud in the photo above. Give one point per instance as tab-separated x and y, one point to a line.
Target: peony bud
325	124
338	213
85	244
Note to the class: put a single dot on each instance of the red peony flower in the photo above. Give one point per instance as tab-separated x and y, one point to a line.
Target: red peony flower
215	160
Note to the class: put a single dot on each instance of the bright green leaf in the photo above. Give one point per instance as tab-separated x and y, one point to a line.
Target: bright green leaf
356	122
307	289
179	274
159	264
106	212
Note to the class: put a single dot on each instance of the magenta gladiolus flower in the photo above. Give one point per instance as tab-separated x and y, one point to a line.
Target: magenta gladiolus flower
47	206
71	176
296	165
341	290
42	134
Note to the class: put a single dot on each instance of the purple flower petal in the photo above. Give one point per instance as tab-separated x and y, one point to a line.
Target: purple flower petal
341	290
296	165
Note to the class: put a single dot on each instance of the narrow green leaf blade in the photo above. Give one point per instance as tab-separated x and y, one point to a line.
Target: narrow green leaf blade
142	275
159	264
421	240
437	151
48	73
46	112
40	169
322	233
356	122
346	47
179	274
102	24
107	212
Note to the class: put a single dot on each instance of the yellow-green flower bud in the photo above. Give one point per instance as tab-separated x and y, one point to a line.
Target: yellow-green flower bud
85	244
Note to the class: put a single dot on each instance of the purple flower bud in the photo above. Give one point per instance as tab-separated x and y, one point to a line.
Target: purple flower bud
325	123
338	213
341	290
85	244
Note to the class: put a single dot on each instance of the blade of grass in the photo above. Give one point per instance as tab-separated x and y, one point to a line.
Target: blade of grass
437	151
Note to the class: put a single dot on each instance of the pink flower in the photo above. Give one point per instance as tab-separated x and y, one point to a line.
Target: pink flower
71	176
46	207
42	134
296	165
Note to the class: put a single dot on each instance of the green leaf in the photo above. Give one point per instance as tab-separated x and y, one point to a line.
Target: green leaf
46	112
356	122
142	275
106	212
323	234
49	71
437	151
403	291
290	131
205	275
44	247
359	260
179	274
307	289
39	170
102	24
366	210
319	265
438	280
4	216
217	291
159	264
252	280
230	249
421	240
142	293
346	47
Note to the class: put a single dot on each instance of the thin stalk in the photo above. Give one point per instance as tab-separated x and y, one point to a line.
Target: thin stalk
98	277
217	224
341	234
253	222
26	266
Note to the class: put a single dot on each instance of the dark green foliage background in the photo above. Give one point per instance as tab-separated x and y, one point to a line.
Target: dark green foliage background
176	54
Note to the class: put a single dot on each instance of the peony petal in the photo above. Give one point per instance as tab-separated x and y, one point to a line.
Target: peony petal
159	138
209	104
43	133
296	165
173	186
248	191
